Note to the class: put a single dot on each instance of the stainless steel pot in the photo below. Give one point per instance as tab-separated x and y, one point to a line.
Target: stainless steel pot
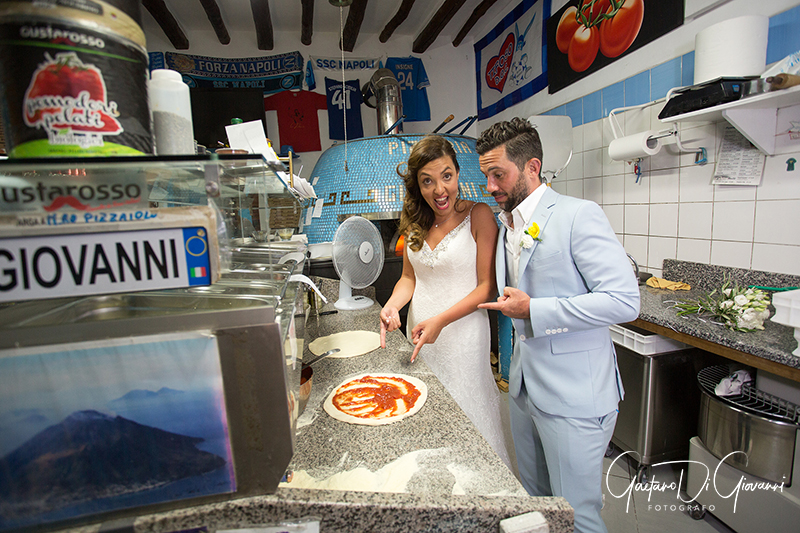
382	92
767	442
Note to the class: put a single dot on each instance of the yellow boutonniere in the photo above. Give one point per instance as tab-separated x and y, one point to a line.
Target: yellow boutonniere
533	231
531	234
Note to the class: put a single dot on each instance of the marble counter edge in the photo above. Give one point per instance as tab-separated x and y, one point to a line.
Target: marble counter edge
361	511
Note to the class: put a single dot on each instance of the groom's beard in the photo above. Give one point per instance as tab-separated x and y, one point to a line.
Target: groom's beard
515	196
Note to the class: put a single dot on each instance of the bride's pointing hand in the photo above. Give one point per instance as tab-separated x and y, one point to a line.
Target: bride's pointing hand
426	332
390	321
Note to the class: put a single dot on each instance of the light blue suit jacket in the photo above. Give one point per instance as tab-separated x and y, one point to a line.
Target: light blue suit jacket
580	281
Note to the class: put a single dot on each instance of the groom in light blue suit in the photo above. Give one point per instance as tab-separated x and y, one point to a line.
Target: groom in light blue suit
564	278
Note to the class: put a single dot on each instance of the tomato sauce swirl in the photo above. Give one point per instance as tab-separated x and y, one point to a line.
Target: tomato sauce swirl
375	397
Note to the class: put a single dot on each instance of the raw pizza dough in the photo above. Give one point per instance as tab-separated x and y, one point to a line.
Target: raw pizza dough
380	376
350	343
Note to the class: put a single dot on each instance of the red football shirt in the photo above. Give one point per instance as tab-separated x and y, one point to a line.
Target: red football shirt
298	125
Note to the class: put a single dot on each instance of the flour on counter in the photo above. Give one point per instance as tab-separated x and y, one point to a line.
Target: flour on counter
466	477
307	418
391	478
520	493
395	476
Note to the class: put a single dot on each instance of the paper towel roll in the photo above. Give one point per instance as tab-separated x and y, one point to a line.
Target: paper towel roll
634	146
734	47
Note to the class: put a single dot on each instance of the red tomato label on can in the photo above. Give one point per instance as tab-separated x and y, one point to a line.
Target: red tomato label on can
68	100
71	91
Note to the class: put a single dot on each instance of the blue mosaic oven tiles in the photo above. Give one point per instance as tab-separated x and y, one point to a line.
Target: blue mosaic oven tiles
371	183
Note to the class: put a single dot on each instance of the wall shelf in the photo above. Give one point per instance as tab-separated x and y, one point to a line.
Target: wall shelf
762	119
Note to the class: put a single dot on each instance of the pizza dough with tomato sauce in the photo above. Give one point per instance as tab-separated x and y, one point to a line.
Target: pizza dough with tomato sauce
376	399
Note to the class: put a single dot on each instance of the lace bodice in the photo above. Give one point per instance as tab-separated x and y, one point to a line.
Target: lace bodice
429	257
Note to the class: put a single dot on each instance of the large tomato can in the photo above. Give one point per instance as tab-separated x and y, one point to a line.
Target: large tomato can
74	78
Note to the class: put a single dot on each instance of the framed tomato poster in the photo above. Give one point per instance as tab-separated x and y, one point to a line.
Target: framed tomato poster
586	35
510	61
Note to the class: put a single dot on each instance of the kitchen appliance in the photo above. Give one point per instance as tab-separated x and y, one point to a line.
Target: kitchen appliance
250	324
659	413
382	93
745	462
258	404
358	260
706	94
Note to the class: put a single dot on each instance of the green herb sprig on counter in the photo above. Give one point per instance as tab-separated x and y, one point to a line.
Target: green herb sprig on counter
737	308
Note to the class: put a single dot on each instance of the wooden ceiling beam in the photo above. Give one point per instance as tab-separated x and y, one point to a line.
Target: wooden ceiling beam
215	18
355	16
169	25
436	25
307	22
397	19
476	15
263	21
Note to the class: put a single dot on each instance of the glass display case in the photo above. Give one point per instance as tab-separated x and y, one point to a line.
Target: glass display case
120	355
254	195
245	207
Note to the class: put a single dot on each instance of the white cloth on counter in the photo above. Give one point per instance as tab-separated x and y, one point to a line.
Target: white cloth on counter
732	385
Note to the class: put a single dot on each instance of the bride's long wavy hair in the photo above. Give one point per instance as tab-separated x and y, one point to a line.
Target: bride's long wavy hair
417	216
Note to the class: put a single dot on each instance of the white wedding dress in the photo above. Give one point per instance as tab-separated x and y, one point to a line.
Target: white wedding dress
460	355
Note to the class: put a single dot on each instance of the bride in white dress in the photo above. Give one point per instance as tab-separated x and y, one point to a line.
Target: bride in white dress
448	269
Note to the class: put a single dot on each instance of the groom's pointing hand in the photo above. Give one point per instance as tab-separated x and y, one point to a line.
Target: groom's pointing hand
513	303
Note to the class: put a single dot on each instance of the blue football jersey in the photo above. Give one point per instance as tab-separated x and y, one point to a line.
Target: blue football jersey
411	75
340	104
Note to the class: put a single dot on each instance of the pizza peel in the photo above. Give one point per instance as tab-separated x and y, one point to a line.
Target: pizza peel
321	356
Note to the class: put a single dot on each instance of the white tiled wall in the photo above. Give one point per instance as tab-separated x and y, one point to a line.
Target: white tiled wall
674	211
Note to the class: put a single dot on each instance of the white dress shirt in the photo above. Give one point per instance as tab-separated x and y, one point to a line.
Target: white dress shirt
520	219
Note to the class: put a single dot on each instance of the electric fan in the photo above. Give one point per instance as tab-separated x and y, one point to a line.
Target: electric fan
357	254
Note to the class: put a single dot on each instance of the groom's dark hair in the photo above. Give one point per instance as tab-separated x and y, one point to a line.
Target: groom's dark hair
519	137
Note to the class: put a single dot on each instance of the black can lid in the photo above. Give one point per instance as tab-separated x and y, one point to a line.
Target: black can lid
121	17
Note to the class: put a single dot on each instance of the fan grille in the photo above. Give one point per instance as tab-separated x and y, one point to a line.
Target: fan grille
349	252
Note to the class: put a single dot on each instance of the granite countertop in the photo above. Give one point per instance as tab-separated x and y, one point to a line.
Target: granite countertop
775	343
449	455
435	455
431	471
